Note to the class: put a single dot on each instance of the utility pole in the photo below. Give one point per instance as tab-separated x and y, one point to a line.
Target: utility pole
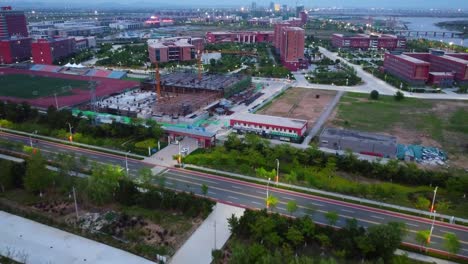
433	215
215	234
76	203
267	195
126	161
56	101
71	133
277	171
433	199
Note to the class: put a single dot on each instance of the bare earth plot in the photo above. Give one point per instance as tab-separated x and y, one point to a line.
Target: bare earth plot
436	123
300	103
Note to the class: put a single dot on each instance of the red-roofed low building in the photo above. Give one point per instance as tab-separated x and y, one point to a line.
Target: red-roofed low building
364	41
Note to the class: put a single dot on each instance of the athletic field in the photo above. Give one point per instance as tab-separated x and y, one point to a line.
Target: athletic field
28	86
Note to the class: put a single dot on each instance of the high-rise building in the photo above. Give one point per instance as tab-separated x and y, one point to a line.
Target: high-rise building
15	49
253	7
12	23
46	51
292	47
299	9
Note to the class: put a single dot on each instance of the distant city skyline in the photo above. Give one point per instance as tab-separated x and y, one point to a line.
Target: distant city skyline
425	4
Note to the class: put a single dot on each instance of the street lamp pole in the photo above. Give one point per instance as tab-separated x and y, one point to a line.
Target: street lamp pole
126	161
71	134
433	199
76	204
432	228
277	171
267	193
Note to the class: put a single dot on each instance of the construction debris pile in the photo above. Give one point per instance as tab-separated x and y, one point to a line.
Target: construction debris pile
422	154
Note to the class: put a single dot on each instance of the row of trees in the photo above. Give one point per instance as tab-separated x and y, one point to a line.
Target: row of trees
274	234
125	56
54	123
106	184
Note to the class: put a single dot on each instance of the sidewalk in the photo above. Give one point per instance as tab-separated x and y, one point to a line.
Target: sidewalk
329	194
421	257
30	242
199	246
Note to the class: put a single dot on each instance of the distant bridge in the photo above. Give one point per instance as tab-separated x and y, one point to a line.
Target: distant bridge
431	33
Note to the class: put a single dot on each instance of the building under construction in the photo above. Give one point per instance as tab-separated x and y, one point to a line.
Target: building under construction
182	93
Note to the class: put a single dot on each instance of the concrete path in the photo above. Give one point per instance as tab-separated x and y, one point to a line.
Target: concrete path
199	246
421	257
314	130
34	243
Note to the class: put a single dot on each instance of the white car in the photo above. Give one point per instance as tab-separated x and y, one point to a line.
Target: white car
184	150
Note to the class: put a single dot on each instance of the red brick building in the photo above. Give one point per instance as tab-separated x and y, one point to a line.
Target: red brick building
240	36
436	67
174	49
12	23
15	49
46	51
364	41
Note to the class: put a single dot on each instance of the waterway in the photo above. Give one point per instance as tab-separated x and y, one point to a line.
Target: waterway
428	24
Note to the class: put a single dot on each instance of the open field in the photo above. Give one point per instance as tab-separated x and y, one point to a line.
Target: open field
32	86
37	88
299	103
441	124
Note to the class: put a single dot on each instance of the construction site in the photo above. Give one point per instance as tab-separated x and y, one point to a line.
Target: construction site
182	93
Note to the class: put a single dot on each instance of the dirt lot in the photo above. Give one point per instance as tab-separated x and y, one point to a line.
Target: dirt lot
299	103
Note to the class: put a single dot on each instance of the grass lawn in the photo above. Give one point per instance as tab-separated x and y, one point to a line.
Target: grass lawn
414	121
30	86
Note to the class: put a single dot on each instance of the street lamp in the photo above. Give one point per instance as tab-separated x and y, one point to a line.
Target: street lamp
71	133
126	161
432	228
277	171
433	199
267	195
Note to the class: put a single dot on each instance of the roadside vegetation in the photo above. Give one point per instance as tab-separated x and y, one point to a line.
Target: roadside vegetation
130	214
340	74
423	45
54	123
393	182
259	237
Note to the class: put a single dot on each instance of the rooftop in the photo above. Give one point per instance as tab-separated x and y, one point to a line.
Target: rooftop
358	135
270	120
411	59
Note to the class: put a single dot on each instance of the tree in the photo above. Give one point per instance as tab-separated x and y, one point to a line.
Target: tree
332	217
37	178
294	236
291	206
6	175
422	237
399	96
451	243
385	239
145	176
103	183
422	203
374	95
204	189
271	201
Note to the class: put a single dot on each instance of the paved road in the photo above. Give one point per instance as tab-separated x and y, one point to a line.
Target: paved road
249	195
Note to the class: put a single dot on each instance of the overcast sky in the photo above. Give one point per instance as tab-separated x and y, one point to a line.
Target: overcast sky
424	4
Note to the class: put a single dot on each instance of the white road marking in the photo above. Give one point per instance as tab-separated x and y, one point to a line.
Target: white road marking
412	225
464	249
254	202
289	198
281	208
232	197
210	192
261	192
348	211
445	231
377	217
316	204
237	187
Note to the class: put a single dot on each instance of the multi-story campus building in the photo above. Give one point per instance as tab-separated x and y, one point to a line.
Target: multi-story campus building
289	44
12	23
364	41
46	51
239	36
281	128
15	49
435	67
174	49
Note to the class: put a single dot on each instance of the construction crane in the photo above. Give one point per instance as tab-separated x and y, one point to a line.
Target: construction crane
157	81
199	65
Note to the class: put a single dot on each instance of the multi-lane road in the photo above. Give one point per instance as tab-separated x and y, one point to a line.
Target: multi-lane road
251	195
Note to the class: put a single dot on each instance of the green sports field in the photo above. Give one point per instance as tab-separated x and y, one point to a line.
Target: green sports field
31	86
